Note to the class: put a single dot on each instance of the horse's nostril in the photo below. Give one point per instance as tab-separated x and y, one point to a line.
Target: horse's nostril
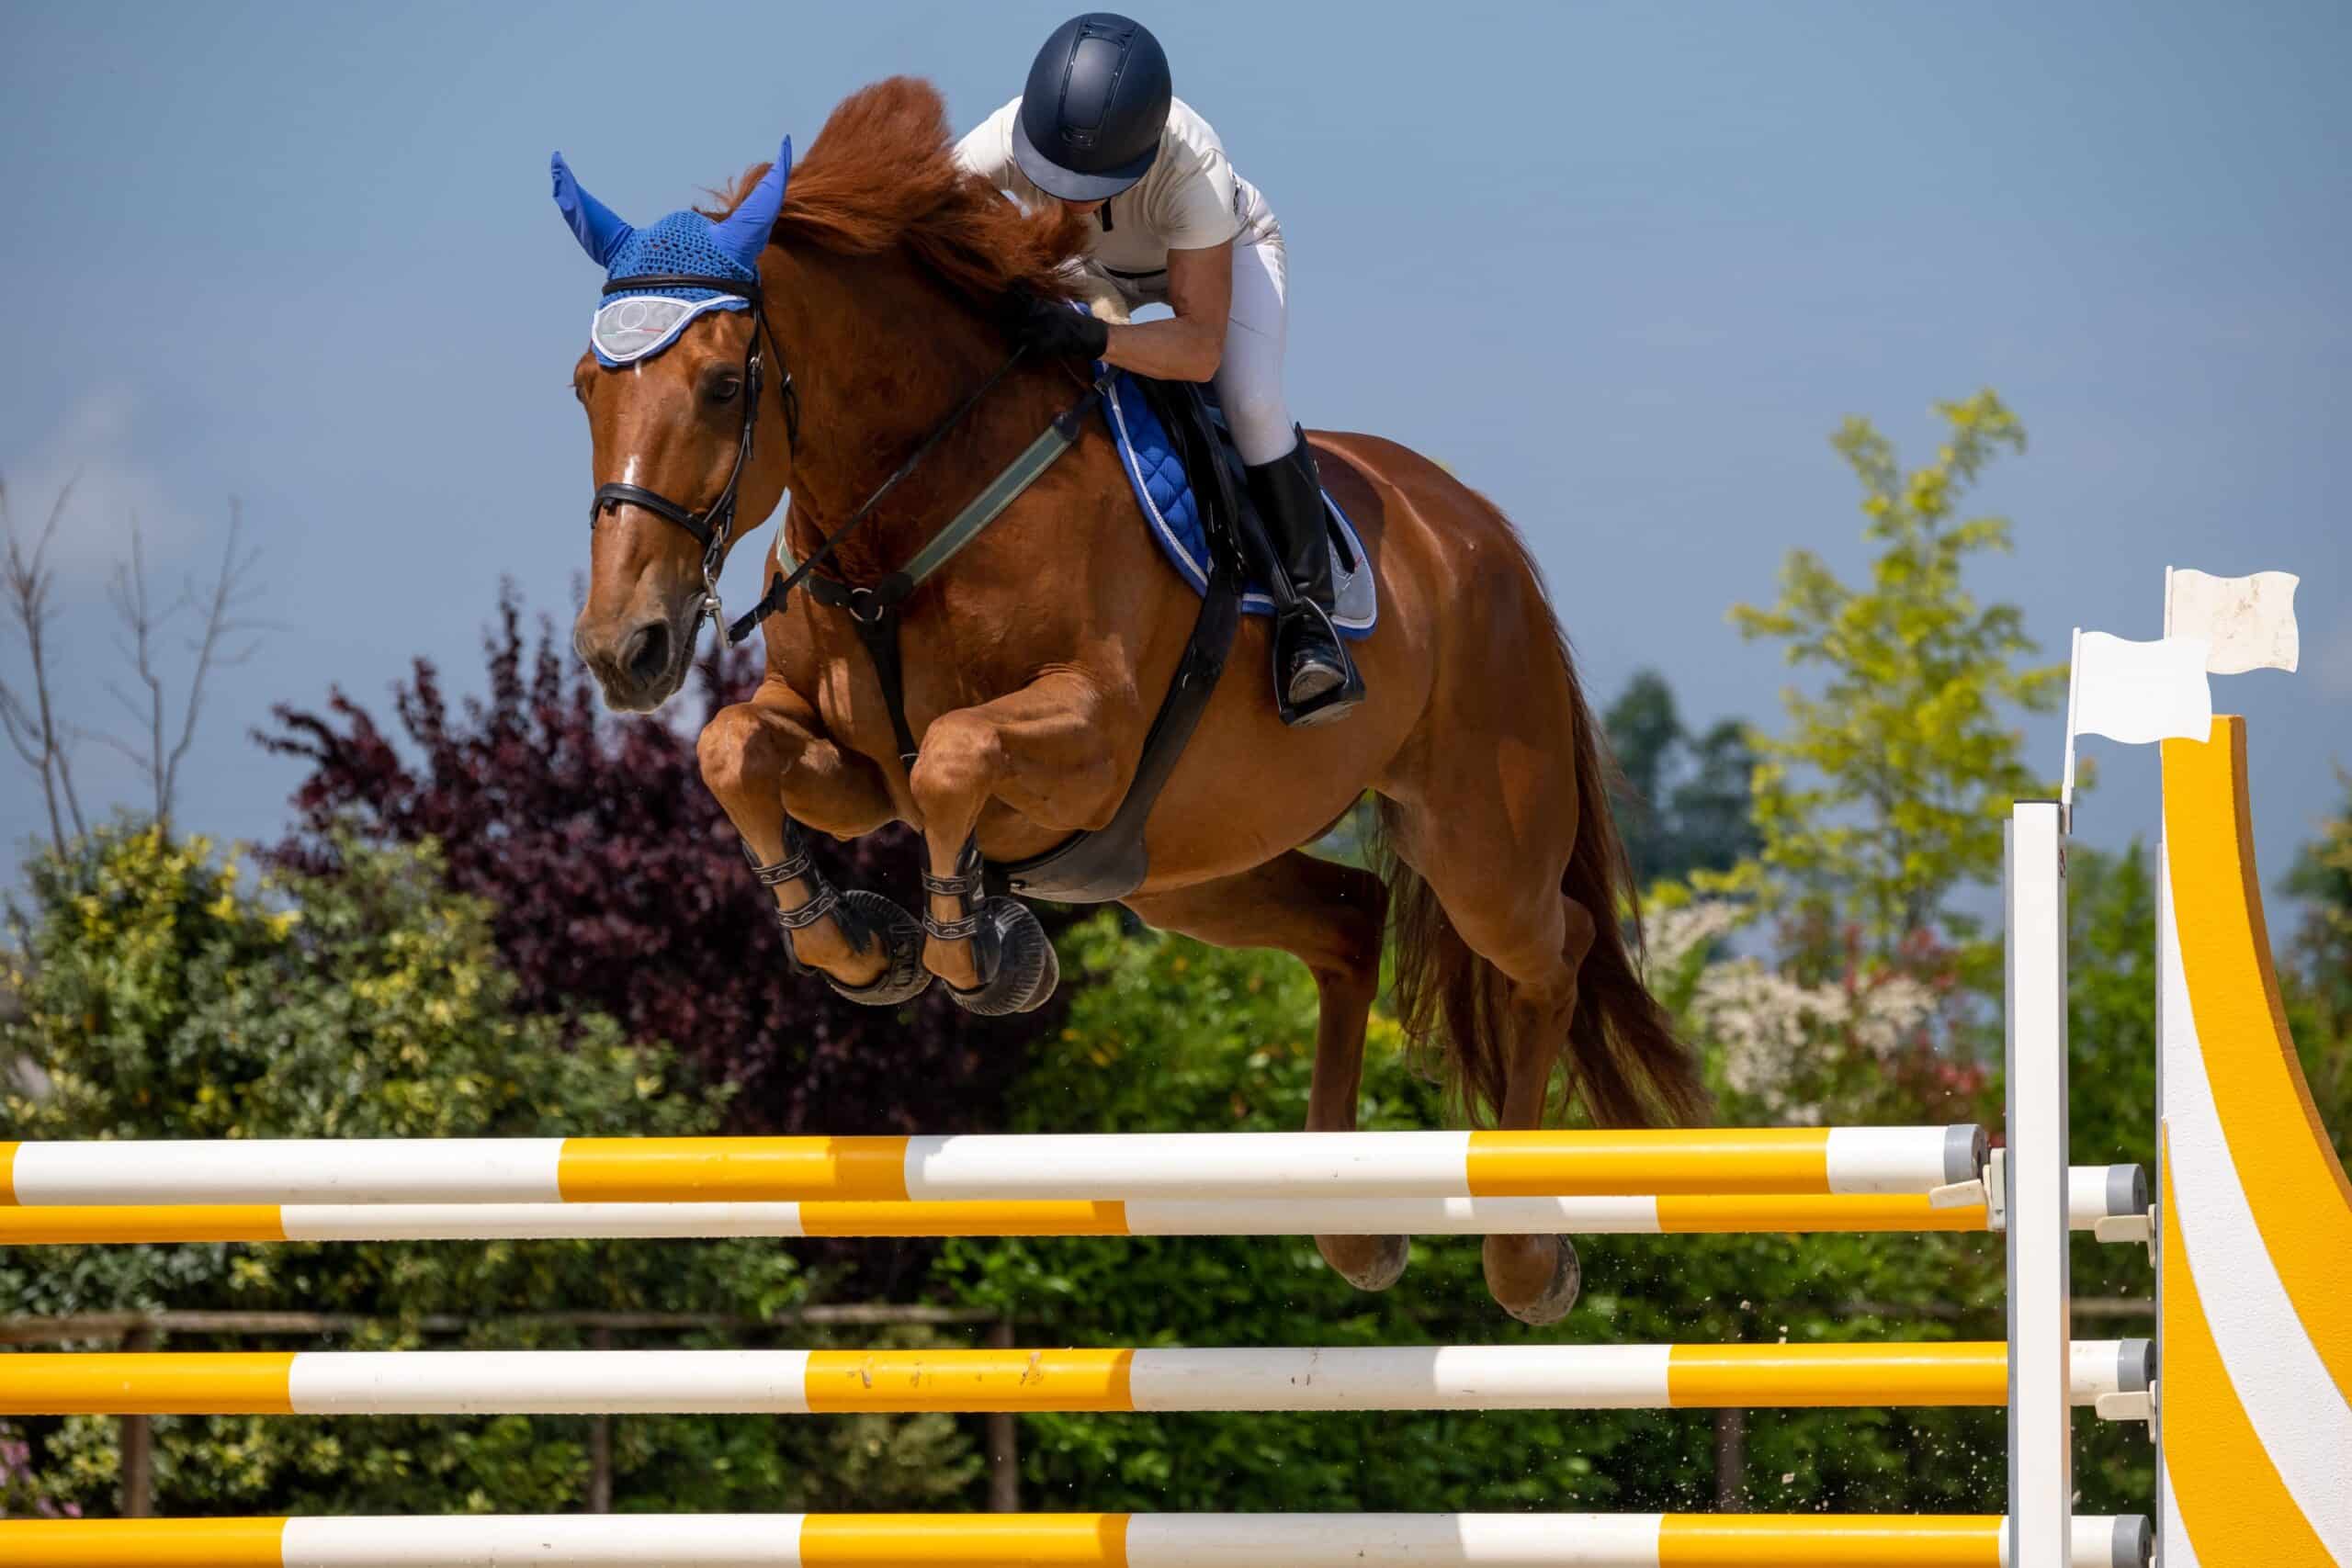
646	655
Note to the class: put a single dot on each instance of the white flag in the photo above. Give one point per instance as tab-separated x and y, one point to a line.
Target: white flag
2250	621
2141	691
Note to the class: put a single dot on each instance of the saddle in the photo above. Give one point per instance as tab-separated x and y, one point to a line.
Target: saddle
1161	477
1106	863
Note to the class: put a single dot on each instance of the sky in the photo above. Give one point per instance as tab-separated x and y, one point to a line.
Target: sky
1624	267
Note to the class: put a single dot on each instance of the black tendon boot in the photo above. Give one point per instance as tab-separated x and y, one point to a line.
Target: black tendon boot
1314	678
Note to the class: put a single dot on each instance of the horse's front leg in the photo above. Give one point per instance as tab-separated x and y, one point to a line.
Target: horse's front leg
1051	751
775	771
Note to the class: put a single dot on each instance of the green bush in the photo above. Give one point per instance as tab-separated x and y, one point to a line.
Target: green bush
163	997
1171	1035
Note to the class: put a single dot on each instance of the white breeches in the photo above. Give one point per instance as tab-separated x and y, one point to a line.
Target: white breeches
1250	378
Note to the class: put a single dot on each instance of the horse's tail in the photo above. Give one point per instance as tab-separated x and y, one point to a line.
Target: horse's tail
1625	1058
1624	1062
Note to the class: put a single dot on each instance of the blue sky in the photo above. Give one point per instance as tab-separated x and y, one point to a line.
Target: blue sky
1622	266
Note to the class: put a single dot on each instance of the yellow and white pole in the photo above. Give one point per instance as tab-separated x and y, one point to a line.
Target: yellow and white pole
1447	1377
1057	1540
2096	1192
1090	1168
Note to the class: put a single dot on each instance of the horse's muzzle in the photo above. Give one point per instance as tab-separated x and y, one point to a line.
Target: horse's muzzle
640	669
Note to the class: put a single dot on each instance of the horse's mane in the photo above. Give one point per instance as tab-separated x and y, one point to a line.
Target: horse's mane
883	173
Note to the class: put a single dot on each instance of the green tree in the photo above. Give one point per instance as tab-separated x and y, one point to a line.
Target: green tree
1171	1035
1885	792
163	999
1685	802
2318	975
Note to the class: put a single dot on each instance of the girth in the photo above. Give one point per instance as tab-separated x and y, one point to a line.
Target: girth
874	610
1089	867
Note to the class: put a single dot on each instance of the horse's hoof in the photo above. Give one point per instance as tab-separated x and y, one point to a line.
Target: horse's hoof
1026	969
1507	1276
1367	1262
903	978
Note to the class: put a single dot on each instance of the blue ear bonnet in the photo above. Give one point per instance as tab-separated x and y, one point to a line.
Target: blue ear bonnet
680	244
633	324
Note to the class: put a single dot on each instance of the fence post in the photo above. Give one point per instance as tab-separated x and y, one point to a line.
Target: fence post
1731	1461
137	1447
1003	1440
600	1444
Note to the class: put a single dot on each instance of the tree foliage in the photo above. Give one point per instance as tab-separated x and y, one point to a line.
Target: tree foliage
1684	806
615	883
1885	790
1171	1035
161	1001
2318	971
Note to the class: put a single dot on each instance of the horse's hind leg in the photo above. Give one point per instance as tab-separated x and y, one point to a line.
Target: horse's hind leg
1501	893
1330	917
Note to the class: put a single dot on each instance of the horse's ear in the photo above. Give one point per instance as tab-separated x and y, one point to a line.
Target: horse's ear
601	231
743	234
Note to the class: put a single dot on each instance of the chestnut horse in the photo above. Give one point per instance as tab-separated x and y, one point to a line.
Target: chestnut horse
1035	660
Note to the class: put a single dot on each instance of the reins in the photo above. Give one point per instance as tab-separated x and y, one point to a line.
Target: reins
873	610
780	590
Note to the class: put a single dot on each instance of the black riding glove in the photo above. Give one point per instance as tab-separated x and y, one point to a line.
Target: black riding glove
1052	327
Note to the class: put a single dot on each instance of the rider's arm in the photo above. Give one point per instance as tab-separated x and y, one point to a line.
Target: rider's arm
1188	345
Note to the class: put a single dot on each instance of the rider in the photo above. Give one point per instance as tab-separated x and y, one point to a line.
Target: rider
1098	129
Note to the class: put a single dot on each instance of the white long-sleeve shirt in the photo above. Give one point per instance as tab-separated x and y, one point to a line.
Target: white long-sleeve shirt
1191	199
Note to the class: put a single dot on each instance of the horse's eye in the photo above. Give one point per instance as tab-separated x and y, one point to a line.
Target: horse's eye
723	389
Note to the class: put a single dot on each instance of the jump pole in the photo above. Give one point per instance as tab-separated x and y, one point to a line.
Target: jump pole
1266	1166
799	1382
2095	1193
1058	1540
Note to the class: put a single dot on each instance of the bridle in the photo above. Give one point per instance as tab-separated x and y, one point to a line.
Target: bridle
714	526
873	609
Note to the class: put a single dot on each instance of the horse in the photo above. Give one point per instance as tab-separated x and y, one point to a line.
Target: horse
1034	661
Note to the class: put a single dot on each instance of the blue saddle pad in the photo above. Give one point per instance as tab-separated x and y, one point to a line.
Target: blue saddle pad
1171	511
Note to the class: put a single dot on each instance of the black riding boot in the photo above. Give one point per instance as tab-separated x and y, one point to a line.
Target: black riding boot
1314	678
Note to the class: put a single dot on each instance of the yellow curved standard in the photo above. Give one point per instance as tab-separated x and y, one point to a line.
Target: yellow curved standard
2256	1261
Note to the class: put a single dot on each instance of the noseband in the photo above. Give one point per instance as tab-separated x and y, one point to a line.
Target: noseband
714	526
873	610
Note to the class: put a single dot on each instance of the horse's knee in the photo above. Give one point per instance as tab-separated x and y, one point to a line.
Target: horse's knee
740	754
962	758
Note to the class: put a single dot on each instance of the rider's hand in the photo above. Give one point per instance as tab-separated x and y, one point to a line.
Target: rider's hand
1053	327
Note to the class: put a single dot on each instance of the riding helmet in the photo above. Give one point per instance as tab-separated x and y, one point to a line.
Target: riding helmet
1096	103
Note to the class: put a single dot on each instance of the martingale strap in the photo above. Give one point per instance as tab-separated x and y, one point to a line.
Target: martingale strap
874	610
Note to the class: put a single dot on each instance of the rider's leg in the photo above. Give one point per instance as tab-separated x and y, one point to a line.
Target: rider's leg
1314	678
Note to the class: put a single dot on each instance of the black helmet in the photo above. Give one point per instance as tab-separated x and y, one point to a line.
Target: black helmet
1093	112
